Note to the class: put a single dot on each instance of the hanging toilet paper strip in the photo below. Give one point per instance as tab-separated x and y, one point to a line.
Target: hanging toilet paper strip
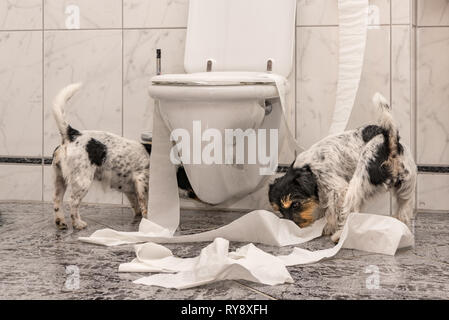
163	197
353	20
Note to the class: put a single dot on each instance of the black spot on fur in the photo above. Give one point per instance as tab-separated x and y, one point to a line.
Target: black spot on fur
378	173
371	131
97	152
72	134
184	183
147	147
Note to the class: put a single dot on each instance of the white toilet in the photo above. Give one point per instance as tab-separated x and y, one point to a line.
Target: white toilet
230	46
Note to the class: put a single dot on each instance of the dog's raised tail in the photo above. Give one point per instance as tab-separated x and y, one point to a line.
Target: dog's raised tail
388	123
58	107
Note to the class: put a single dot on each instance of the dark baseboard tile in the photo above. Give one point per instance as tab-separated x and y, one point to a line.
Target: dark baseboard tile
281	168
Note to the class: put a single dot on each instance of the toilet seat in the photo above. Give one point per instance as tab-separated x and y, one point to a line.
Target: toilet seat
213	79
220	85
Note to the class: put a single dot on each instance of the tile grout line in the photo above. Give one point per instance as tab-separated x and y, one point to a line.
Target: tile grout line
42	100
413	87
296	88
416	97
391	82
123	70
122	48
180	28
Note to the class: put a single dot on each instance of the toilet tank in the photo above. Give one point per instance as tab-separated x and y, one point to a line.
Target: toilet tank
240	35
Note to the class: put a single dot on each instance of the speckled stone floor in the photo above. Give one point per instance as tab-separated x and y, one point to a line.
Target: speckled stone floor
34	257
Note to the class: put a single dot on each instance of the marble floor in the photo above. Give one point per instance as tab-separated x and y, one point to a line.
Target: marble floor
34	259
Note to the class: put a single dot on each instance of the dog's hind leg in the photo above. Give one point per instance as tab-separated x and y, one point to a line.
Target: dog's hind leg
80	186
141	186
404	192
58	197
360	187
132	198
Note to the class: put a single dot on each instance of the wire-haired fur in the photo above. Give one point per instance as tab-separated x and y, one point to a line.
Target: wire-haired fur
84	156
337	174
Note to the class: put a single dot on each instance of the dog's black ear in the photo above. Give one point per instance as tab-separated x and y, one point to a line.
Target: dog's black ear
291	166
290	169
306	180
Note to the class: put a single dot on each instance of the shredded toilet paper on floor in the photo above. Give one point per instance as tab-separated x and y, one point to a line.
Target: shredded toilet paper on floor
367	232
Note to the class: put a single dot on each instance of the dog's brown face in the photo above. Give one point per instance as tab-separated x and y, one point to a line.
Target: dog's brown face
295	195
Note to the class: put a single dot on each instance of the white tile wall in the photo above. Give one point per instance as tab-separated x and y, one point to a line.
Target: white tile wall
432	88
21	182
316	81
20	14
139	51
21	93
91	57
325	12
433	95
401	84
400	11
433	13
114	55
433	191
97	14
155	13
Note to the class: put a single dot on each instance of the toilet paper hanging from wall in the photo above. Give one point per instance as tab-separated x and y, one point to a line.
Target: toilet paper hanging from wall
353	23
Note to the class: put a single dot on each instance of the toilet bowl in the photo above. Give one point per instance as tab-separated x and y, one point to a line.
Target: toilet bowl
222	101
238	48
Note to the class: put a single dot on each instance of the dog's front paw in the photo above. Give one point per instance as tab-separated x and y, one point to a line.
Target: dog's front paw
79	224
328	229
336	236
61	224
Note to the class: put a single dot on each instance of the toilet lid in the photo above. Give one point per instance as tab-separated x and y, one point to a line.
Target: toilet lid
213	79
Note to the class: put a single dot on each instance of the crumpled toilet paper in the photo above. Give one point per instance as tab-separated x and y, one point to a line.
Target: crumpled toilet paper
214	263
367	232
